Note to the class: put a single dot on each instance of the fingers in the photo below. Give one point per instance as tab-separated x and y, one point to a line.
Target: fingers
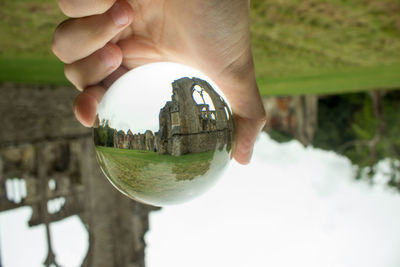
85	104
249	116
110	79
75	39
82	8
247	131
94	68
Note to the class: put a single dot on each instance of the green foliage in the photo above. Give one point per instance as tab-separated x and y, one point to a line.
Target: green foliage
360	132
364	142
281	137
364	123
104	135
110	136
334	117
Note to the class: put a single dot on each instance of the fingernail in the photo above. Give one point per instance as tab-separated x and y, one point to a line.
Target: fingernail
107	58
244	153
119	15
85	109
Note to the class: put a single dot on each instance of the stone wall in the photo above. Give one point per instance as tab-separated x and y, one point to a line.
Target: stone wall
146	141
201	142
40	140
184	125
189	127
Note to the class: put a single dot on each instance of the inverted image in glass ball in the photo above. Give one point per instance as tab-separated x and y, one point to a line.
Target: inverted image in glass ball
164	133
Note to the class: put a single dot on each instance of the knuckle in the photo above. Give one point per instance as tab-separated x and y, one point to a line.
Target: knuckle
263	117
58	51
71	75
59	43
76	8
67	72
54	47
99	36
67	8
104	5
61	54
56	42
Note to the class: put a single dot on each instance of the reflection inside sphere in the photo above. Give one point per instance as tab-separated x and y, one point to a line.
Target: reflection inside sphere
164	133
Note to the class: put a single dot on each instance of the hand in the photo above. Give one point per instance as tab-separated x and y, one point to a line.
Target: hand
106	38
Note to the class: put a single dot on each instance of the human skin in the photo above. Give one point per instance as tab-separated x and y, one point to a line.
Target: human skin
103	39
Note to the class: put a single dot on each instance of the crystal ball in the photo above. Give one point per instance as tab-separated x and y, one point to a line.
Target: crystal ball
163	133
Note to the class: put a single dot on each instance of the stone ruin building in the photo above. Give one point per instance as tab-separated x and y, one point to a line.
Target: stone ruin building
190	127
185	126
53	160
146	141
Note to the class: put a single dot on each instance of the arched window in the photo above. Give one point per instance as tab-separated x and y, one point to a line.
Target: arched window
227	112
200	96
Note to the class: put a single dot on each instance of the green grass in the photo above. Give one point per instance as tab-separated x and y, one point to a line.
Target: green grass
27	26
50	71
153	157
162	179
26	29
308	36
341	81
45	70
325	46
300	46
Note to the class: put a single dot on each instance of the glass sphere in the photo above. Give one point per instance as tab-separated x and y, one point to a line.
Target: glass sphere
163	133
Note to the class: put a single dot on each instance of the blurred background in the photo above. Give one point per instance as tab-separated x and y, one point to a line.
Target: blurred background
323	188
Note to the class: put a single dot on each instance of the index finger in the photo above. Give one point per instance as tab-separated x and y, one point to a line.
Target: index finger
83	8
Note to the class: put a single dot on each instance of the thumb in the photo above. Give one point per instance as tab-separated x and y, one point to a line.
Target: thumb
247	131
